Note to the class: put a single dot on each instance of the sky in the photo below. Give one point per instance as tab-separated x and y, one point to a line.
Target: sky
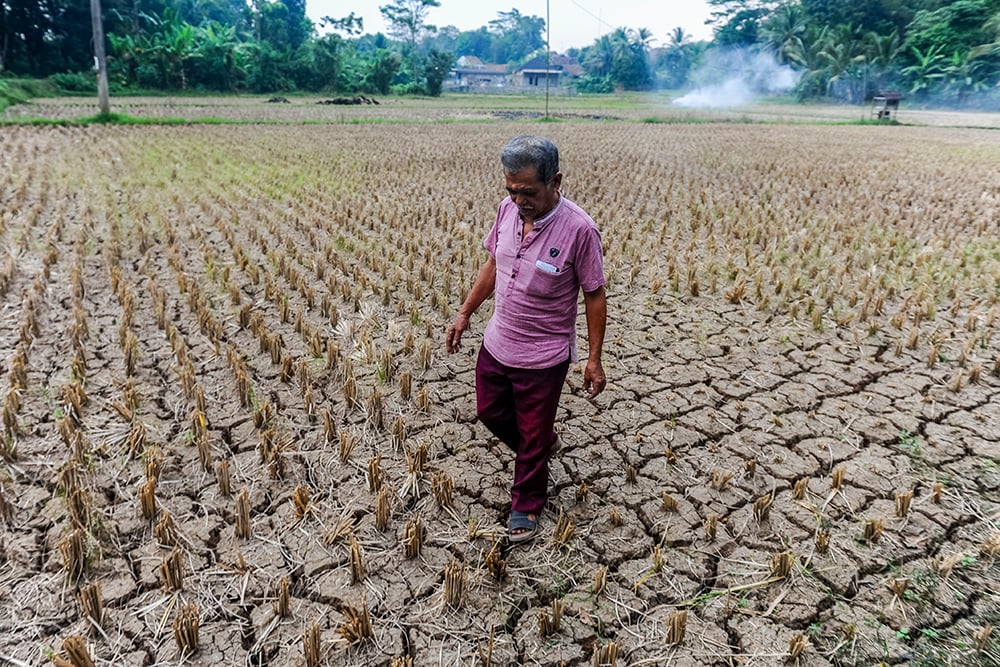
573	22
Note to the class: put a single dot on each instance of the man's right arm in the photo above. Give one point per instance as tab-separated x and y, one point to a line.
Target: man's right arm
481	290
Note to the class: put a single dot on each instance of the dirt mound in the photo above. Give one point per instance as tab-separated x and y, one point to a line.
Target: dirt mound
350	101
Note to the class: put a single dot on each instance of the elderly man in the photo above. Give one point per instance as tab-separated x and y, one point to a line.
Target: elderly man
543	250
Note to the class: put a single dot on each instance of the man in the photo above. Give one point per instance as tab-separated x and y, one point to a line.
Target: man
543	250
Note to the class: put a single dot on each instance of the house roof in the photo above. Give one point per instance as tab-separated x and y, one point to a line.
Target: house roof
473	65
556	63
483	70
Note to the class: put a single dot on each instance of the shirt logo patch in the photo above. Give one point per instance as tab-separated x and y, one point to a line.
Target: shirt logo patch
553	252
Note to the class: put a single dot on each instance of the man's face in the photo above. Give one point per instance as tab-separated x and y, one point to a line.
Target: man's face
533	198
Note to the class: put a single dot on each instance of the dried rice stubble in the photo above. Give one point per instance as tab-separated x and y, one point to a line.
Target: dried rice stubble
186	627
76	651
357	626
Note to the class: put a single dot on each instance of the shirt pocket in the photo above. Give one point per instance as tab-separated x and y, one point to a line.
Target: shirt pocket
549	280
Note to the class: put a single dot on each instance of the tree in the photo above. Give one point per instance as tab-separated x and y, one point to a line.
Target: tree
38	38
738	22
123	61
407	19
268	69
674	65
809	55
599	58
299	25
783	32
843	59
350	24
235	13
478	43
987	55
283	23
168	51
329	60
436	70
619	59
515	36
882	52
217	65
965	75
958	26
381	70
878	16
927	70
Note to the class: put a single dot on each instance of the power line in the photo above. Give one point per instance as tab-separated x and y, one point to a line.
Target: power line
601	22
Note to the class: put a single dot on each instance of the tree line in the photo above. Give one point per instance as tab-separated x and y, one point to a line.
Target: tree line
942	50
264	46
847	49
948	50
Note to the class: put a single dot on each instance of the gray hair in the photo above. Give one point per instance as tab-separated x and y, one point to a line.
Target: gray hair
526	151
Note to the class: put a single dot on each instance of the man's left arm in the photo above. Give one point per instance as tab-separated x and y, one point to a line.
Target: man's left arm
596	306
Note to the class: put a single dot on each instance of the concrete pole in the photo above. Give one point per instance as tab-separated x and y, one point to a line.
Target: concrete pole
99	59
548	54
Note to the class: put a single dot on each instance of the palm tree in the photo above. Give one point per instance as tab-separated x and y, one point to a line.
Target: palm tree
631	61
641	38
678	38
808	54
881	52
883	49
784	32
600	57
840	57
675	62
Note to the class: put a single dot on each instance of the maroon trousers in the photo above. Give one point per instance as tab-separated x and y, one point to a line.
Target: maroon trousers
519	406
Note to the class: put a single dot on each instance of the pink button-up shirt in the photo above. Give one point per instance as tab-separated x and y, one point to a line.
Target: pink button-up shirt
538	283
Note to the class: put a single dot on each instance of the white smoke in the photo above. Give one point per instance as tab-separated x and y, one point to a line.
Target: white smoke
736	77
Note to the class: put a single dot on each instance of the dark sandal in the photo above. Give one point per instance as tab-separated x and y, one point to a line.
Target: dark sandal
525	526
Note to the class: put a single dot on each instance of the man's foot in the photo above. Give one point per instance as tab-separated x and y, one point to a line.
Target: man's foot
522	526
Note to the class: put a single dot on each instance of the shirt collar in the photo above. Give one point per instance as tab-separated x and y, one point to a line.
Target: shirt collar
541	222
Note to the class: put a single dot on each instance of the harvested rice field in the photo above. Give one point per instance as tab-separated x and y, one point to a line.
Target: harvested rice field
232	435
647	107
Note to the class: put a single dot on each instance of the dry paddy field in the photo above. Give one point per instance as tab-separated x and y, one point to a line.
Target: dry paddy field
479	108
231	434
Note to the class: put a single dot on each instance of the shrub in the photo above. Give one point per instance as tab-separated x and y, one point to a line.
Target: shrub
411	88
74	82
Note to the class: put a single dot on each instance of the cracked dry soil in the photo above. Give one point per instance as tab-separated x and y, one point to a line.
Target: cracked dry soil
224	375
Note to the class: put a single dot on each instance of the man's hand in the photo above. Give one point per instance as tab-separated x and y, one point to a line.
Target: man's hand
594	380
455	331
596	306
481	289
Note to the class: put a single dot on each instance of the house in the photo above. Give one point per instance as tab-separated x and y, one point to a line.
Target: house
472	74
558	72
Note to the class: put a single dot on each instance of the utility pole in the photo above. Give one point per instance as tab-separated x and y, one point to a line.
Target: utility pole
99	59
548	55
